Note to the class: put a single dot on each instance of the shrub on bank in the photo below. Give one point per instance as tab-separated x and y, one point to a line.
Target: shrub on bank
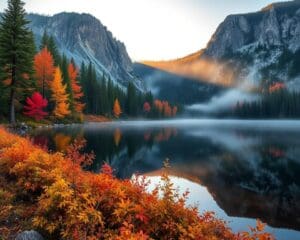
51	193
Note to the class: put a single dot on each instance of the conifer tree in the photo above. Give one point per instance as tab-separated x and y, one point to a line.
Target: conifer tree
49	42
67	81
44	40
59	95
16	54
131	103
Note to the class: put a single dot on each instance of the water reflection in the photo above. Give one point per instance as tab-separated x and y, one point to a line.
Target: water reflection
249	168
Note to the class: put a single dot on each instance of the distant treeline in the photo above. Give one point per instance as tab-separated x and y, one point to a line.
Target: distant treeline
274	104
100	94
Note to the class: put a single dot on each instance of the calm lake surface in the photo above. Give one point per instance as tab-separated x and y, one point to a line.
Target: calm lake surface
241	170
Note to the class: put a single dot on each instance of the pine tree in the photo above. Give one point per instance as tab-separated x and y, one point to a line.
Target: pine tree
89	88
59	95
49	42
44	41
67	81
16	53
82	80
54	51
131	103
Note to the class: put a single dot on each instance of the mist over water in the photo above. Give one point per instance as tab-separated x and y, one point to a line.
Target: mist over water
225	101
242	170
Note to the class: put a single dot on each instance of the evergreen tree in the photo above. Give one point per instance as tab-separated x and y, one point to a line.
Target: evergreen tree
131	102
44	41
49	42
82	80
110	93
16	53
67	81
53	49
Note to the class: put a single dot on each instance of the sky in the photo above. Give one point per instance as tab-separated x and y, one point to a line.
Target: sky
153	29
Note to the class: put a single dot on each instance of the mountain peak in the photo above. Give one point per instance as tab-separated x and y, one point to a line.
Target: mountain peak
281	5
84	38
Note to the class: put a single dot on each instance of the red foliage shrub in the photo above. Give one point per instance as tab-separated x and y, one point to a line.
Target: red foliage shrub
146	107
276	87
35	105
51	192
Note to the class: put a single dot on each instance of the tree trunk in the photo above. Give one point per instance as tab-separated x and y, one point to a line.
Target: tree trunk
12	114
12	117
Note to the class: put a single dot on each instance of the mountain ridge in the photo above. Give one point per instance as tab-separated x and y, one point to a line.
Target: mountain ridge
84	38
255	48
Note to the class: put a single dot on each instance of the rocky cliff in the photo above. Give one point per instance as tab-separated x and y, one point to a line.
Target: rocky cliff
84	38
260	47
255	48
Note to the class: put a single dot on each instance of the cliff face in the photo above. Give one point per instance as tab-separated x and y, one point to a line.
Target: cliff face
276	25
248	49
260	46
83	38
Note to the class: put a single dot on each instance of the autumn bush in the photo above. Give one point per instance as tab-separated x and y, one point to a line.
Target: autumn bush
50	192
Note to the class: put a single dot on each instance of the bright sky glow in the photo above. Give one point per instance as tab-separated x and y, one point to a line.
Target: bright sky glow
153	29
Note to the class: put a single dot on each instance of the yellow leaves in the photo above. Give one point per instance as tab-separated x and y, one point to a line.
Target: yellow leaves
260	226
62	142
257	233
68	202
124	207
51	227
59	95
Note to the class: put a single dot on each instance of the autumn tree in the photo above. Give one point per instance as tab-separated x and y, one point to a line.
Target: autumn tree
146	107
117	109
174	111
167	110
158	105
16	53
59	95
76	88
35	106
44	69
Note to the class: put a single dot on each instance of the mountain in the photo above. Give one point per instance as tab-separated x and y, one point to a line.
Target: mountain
254	48
85	39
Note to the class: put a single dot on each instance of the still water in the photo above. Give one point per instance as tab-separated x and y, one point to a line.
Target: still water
241	170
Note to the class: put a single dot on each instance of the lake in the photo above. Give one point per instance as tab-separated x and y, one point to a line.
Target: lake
241	170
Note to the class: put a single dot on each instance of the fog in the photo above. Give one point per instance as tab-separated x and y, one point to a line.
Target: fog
226	100
229	124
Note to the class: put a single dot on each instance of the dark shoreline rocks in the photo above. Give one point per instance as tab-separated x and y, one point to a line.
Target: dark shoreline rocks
29	235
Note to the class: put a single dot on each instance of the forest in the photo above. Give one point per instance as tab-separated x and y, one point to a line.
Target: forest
42	84
276	102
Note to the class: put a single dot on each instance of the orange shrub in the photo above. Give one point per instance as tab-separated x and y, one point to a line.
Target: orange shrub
51	192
